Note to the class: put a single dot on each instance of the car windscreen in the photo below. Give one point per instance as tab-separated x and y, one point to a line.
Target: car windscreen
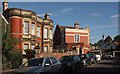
66	59
91	55
33	62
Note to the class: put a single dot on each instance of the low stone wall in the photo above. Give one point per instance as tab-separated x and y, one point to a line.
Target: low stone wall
56	55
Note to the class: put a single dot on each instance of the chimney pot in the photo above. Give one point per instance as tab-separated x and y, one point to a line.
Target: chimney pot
76	25
47	16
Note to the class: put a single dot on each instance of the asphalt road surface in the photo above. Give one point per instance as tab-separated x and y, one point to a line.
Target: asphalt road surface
109	65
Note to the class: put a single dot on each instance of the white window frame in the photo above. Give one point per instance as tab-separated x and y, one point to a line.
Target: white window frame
33	28
46	33
26	28
75	40
50	33
32	46
50	50
38	31
25	46
46	50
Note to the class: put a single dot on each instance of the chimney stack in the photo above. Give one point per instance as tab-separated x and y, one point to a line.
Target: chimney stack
46	16
76	25
5	5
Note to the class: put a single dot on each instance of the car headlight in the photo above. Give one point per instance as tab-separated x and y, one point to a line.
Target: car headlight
92	60
84	61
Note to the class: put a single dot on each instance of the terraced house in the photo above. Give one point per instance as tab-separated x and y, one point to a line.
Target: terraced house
30	28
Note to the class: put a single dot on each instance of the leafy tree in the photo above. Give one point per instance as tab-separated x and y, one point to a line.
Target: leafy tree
108	39
117	38
100	41
11	56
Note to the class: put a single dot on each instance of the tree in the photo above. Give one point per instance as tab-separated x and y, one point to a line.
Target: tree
100	41
11	56
117	38
108	39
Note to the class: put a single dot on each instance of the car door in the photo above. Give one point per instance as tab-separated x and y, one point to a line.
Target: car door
77	61
55	64
47	65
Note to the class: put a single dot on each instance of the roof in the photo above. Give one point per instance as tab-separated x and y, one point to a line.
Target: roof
63	27
116	43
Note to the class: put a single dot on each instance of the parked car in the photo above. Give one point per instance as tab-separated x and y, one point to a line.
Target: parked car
92	58
71	62
97	54
40	65
106	56
85	59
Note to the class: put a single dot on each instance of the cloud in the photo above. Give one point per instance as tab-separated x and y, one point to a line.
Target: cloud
114	16
95	14
66	10
104	27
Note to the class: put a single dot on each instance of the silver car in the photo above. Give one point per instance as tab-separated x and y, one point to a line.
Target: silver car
40	65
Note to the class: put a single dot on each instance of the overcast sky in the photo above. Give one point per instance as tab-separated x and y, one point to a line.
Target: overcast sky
101	17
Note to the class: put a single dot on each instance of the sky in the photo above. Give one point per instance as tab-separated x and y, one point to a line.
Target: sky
101	17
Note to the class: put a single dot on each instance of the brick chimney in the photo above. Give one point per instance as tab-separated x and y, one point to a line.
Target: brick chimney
76	25
46	16
5	5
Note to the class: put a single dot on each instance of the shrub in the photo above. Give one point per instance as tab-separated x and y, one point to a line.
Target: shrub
30	51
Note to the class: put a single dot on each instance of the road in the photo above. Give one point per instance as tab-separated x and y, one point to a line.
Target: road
108	65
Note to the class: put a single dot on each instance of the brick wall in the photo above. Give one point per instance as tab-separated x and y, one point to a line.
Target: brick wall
69	39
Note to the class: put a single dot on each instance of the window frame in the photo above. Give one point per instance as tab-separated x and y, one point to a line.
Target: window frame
32	28
75	38
25	27
38	31
46	33
52	58
24	46
47	49
49	60
51	34
31	46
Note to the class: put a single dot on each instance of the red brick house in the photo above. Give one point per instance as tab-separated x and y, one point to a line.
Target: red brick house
74	38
